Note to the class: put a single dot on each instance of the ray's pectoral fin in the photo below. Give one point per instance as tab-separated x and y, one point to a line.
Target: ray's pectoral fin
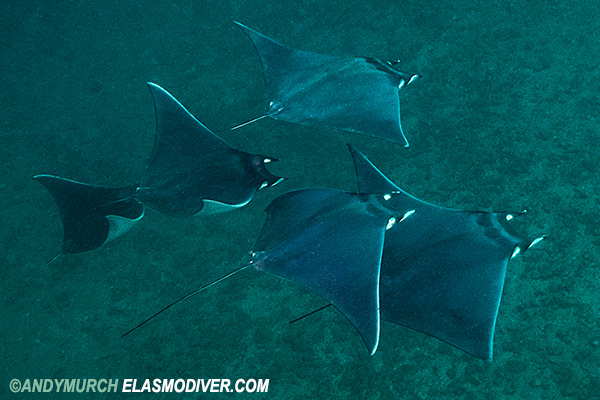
330	242
191	167
443	270
354	94
91	215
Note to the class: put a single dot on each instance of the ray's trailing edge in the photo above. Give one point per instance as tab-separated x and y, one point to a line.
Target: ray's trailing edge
191	170
378	254
354	94
443	270
91	215
384	254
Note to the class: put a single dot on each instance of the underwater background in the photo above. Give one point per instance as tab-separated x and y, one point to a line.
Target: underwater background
505	118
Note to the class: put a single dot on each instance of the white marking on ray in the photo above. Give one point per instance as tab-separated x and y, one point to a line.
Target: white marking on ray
118	225
516	252
537	240
407	214
215	207
391	222
278	181
412	79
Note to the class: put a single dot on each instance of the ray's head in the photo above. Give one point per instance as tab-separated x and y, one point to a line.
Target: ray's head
258	260
257	163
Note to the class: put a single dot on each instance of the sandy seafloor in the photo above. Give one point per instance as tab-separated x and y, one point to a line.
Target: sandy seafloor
506	117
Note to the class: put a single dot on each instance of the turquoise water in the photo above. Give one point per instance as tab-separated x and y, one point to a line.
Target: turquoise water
505	118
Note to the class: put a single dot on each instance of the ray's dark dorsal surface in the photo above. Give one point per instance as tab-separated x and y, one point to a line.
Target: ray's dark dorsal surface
442	270
331	242
91	215
355	94
191	170
384	254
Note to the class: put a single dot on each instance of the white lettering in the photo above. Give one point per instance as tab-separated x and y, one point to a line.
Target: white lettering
112	386
237	385
91	385
177	388
146	386
48	385
127	385
167	385
225	385
70	385
38	384
191	388
263	386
